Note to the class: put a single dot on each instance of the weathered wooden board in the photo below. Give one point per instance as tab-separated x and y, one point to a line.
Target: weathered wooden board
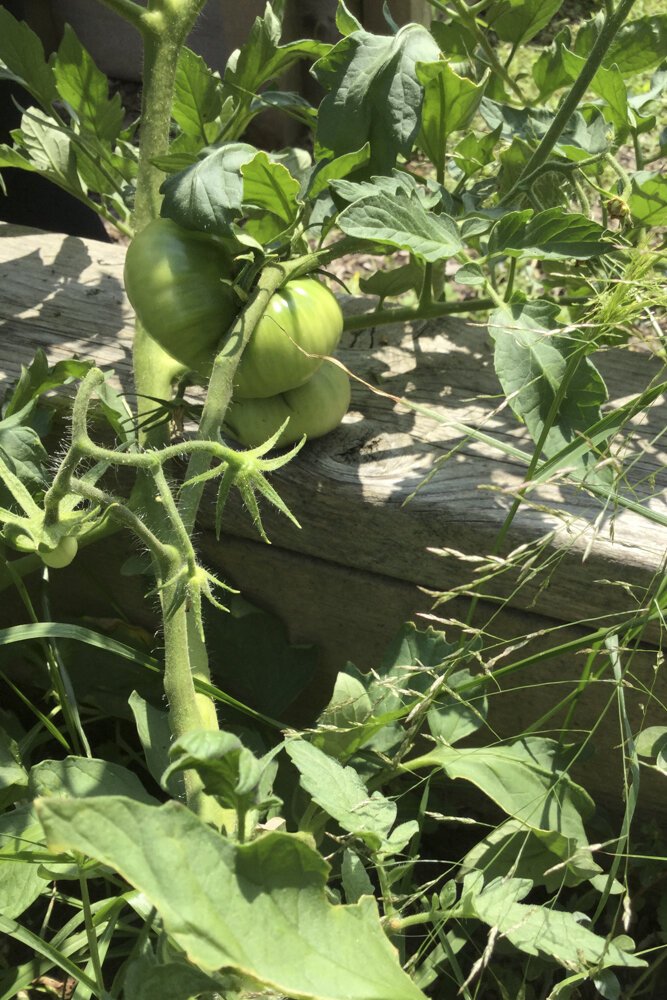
354	491
354	571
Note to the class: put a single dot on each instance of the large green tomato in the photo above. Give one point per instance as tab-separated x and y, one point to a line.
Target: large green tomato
313	409
301	320
174	280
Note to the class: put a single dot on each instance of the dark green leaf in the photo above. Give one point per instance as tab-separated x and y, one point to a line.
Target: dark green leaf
263	904
22	59
43	146
331	170
397	281
155	736
450	103
517	21
429	194
197	96
23	453
228	770
530	124
13	776
39	378
453	717
85	89
532	355
456	41
373	93
548	70
552	235
20	882
272	194
402	222
208	195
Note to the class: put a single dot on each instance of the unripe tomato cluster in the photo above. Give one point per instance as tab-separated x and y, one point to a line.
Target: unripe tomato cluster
179	283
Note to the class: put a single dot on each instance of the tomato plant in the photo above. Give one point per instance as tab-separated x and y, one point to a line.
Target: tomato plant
428	153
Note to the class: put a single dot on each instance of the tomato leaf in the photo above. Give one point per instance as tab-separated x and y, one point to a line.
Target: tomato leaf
552	235
648	201
532	354
85	89
197	96
638	45
22	60
276	925
373	93
397	281
450	102
272	194
517	21
208	195
402	221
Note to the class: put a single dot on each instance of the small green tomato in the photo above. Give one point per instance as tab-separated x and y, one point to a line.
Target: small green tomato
62	555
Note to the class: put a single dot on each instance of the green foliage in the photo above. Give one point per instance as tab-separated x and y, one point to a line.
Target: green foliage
159	851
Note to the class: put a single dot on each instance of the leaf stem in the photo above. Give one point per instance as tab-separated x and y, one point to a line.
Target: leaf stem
91	936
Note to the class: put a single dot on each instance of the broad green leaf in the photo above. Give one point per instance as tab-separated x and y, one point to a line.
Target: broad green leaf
331	170
638	45
207	196
272	195
532	356
85	89
197	96
543	931
83	777
450	103
454	40
402	222
146	980
22	60
23	453
345	21
552	235
652	742
648	201
342	794
347	721
517	21
20	883
373	93
429	194
530	854
252	658
525	779
394	282
262	905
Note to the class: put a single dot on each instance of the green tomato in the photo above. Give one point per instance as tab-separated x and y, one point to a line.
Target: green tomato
302	319
62	555
313	409
174	279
